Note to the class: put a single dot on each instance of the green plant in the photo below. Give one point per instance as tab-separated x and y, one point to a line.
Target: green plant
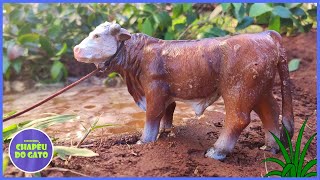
38	38
63	151
9	131
59	151
282	17
294	160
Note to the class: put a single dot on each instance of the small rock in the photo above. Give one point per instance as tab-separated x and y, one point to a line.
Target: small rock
18	86
6	86
55	174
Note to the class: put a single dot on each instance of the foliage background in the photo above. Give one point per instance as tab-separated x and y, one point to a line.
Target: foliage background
38	38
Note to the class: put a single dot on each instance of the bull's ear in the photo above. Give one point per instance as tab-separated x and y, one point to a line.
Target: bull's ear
123	35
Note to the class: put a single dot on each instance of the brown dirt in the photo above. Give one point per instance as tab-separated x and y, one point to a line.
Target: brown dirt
183	153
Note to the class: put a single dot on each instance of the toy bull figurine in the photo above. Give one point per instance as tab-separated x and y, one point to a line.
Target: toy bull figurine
157	72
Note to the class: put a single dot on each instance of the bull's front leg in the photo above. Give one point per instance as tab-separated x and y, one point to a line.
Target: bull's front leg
156	99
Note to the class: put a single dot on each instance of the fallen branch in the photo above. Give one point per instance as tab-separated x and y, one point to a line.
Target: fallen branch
66	170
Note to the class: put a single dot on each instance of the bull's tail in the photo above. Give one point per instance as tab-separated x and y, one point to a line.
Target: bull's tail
287	110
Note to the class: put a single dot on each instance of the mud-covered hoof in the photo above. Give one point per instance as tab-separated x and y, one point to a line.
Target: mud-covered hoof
167	133
214	154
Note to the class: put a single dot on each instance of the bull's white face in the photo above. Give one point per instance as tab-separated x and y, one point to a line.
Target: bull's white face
101	43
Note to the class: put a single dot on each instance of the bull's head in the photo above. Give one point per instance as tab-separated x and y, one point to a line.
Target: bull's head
101	43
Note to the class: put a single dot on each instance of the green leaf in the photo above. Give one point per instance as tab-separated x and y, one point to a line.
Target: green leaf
43	7
307	28
186	7
54	31
263	18
112	75
298	12
56	70
25	29
312	12
150	8
239	11
273	173
275	161
303	154
17	64
292	5
191	17
169	36
9	114
286	169
294	65
62	50
16	15
274	23
46	45
225	6
215	31
32	37
308	166
298	144
281	11
176	10
258	9
5	162
289	142
247	21
147	27
63	151
162	19
9	130
282	148
311	174
45	122
5	63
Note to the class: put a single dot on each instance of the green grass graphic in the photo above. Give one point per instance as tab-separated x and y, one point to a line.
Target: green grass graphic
294	160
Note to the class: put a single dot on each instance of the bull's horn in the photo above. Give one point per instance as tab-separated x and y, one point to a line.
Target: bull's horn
114	29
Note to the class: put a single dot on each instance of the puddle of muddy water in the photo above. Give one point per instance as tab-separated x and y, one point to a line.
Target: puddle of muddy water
112	106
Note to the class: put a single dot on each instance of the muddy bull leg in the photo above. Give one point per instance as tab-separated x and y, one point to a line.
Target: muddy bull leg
234	125
268	111
166	121
156	99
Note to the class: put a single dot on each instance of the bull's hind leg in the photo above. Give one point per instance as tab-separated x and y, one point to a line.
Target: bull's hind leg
268	111
235	122
166	127
238	104
166	121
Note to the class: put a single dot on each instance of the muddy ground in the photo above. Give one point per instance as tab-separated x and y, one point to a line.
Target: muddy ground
182	153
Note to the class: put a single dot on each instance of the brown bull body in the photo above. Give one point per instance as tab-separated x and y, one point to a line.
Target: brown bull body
239	68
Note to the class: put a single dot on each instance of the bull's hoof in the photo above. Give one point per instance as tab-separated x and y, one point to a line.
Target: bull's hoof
167	133
140	142
215	154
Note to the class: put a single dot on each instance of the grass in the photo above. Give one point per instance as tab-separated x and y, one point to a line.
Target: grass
59	151
293	166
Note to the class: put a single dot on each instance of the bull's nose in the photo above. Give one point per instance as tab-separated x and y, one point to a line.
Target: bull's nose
76	49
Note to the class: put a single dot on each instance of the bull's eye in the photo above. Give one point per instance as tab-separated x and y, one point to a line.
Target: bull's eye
96	36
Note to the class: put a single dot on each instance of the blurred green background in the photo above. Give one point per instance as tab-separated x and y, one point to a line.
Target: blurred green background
38	38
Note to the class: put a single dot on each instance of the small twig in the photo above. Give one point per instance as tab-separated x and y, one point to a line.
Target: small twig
87	145
265	163
188	27
85	136
66	170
